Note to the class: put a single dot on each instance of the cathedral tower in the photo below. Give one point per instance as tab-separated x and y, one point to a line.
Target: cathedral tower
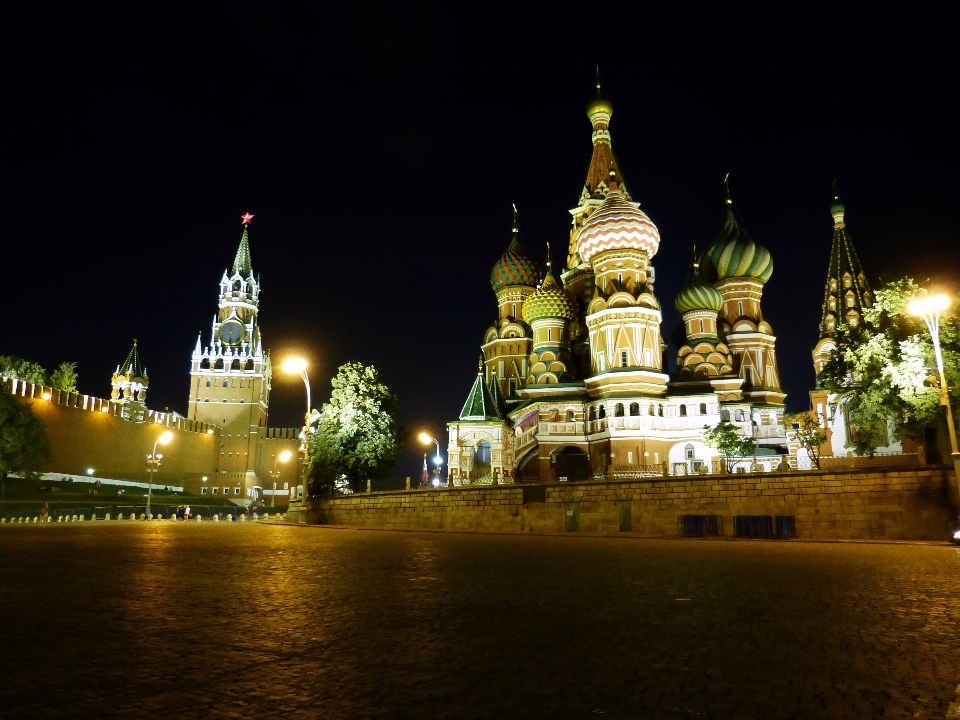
230	378
507	345
549	312
846	292
739	267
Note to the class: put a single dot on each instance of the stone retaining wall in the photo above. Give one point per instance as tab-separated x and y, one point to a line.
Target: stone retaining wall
895	503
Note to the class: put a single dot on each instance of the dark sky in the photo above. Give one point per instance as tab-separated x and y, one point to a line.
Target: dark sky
381	145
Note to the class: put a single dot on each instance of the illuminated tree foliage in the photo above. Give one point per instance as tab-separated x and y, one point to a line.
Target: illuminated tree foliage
63	378
808	433
726	439
24	445
886	368
357	436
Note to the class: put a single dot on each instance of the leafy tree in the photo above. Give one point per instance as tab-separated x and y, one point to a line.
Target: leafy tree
65	377
726	439
885	368
24	445
808	433
14	367
357	436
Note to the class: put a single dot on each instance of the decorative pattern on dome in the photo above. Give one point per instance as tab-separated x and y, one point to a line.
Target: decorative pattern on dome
617	225
514	267
698	296
734	253
549	301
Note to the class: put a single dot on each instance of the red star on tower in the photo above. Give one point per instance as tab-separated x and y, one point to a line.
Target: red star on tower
247	217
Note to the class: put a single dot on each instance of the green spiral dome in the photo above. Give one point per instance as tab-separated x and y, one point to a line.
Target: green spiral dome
514	267
735	254
698	296
549	301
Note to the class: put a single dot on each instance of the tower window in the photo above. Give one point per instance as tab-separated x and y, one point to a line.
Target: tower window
703	408
618	410
205	364
650	409
701	326
620	280
603	412
688	452
683	411
660	410
747	377
208	382
634	409
226	383
513	310
740	305
549	333
623	358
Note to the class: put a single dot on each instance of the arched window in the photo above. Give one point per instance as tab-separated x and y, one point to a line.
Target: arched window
850	298
739	416
482	454
618	410
249	365
205	364
660	409
832	303
603	412
208	382
703	408
569	415
219	364
725	415
226	383
683	411
593	413
650	409
235	365
634	409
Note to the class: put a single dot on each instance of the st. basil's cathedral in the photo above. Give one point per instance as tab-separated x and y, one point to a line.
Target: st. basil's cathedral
573	380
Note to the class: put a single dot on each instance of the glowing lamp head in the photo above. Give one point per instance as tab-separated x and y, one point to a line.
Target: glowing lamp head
46	396
425	439
165	438
285	455
294	365
210	431
89	471
927	305
105	408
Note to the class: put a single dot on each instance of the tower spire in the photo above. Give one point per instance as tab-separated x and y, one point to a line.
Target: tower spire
241	263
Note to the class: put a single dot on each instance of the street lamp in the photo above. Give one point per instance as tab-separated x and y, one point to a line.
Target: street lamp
298	366
426	440
275	474
929	308
153	465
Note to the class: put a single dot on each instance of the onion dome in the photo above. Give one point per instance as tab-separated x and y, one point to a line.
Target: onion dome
617	225
698	295
514	267
734	253
599	103
550	300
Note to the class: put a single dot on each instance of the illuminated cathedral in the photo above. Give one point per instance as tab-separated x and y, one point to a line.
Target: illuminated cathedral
574	381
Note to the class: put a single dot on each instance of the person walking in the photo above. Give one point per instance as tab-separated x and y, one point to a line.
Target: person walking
186	513
44	514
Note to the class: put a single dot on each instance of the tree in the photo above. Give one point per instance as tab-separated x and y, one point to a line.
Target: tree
885	369
14	367
65	377
808	433
24	445
357	437
726	439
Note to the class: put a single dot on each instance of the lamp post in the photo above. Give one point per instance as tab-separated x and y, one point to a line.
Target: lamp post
153	465
298	366
426	440
929	308
275	474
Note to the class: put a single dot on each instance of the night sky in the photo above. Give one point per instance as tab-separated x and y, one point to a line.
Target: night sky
380	147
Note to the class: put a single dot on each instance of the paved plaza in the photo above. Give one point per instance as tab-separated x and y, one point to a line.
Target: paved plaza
208	620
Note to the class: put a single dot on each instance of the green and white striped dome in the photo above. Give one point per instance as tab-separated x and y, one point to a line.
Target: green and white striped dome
698	296
734	253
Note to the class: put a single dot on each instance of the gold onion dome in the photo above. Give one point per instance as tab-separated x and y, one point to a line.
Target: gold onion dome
734	253
617	225
514	267
698	295
599	103
549	301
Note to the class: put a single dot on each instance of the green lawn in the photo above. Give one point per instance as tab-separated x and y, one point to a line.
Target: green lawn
25	496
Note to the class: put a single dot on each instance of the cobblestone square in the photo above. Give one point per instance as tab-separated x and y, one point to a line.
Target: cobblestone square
209	620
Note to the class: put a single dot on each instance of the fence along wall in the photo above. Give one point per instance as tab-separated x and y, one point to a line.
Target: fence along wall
88	432
894	503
